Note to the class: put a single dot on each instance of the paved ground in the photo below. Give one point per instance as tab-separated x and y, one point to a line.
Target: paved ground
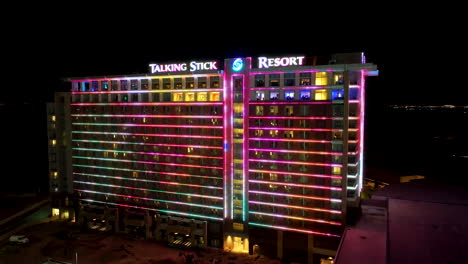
48	240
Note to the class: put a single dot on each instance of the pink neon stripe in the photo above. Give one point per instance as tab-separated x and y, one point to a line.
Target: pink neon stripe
146	180
297	117
147	135
146	125
291	88
297	129
296	151
288	102
257	71
151	162
158	172
104	78
294	229
297	207
353	101
149	144
291	140
226	143
151	116
297	185
296	196
149	91
154	103
297	218
297	174
297	163
152	153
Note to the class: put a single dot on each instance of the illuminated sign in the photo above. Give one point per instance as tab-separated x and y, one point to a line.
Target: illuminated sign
237	65
180	67
264	62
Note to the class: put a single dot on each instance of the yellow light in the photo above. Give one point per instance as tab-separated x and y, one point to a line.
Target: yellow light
215	96
54	142
65	215
203	96
55	174
189	97
55	212
321	94
53	118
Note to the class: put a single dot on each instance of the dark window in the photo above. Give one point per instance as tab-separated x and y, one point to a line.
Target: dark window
274	80
155	84
289	79
105	85
259	80
134	84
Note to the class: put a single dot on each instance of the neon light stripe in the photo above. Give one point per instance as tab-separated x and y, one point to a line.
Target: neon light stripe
306	69
297	185
226	115
298	129
147	153
146	144
297	174
361	132
153	209
147	171
291	140
297	218
153	103
105	78
297	151
150	116
146	135
296	88
148	162
145	125
297	117
149	91
150	199
297	196
298	163
288	102
297	207
293	229
353	101
146	180
151	190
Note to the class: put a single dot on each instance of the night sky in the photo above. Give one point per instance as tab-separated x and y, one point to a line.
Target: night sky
416	57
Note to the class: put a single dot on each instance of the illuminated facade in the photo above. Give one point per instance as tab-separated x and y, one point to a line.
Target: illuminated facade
269	146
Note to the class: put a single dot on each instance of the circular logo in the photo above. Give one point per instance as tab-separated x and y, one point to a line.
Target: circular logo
237	65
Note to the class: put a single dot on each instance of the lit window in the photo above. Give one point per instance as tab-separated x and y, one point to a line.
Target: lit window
177	97
273	133
215	96
55	212
53	118
274	95
336	170
288	134
55	174
258	110
305	78
54	142
304	95
260	96
202	96
274	80
338	79
190	97
274	110
135	174
258	132
238	108
189	83
289	109
321	94
289	95
321	78
238	121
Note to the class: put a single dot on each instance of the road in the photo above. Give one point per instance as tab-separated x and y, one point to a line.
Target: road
32	217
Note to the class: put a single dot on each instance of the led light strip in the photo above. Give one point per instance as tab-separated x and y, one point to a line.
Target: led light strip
298	163
297	196
146	77
297	117
149	116
146	180
148	162
146	144
150	199
143	104
297	185
226	152
147	171
288	102
293	229
147	153
145	135
291	140
146	125
153	209
149	91
296	218
150	190
297	207
297	129
297	151
307	70
283	88
361	132
297	174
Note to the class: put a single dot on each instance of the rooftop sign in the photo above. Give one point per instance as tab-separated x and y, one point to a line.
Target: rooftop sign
265	63
182	67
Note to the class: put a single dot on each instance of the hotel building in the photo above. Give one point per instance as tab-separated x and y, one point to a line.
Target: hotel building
249	154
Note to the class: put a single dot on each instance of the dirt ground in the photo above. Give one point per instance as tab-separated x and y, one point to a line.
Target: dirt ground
53	240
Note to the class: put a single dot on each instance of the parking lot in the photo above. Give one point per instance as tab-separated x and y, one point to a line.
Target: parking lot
64	242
